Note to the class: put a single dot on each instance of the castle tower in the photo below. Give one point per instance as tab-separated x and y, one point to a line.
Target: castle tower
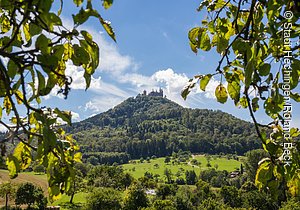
161	92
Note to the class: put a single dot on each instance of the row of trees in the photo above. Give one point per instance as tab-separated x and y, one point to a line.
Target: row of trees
172	197
98	158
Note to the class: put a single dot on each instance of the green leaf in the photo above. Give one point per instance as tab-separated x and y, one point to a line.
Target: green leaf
68	51
248	73
41	85
205	42
106	25
274	105
80	55
193	47
64	115
294	79
45	6
107	3
12	166
87	36
23	154
58	51
49	139
294	184
254	104
54	190
60	8
187	88
271	146
42	43
234	90
194	34
221	94
26	32
55	20
51	20
83	15
78	2
264	70
93	50
243	102
204	81
295	132
264	173
12	69
7	105
34	29
221	42
87	78
295	96
5	23
77	157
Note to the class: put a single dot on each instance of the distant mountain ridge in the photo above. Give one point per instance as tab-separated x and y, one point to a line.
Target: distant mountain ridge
144	126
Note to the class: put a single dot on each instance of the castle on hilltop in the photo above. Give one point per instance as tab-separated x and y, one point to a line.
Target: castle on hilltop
159	93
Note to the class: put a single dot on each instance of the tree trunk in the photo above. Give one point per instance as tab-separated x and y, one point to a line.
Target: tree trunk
6	201
71	199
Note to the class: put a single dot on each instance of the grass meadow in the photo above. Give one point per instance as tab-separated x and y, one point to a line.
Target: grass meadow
158	166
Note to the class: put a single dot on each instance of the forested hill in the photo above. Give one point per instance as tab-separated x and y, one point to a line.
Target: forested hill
150	125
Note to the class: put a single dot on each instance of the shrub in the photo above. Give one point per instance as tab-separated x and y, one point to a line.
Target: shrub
104	199
29	194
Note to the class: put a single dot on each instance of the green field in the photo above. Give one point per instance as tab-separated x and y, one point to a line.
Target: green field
138	169
78	201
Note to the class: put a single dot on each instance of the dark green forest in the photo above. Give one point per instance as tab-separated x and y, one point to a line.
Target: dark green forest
147	126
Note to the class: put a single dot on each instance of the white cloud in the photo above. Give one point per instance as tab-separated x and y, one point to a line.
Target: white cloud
101	104
75	117
172	83
111	60
138	80
78	81
2	128
172	80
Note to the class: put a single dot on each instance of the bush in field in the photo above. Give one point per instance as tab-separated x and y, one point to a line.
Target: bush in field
104	199
191	177
164	204
135	198
29	194
165	190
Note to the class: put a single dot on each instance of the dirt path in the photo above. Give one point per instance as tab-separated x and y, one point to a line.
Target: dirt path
189	163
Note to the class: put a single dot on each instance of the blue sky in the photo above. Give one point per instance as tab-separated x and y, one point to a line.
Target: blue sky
152	51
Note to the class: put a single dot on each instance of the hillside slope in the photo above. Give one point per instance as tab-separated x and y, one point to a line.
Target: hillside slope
146	125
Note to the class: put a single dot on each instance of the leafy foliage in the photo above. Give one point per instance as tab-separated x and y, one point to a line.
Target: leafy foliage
135	198
30	194
7	191
252	37
108	176
104	198
35	47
